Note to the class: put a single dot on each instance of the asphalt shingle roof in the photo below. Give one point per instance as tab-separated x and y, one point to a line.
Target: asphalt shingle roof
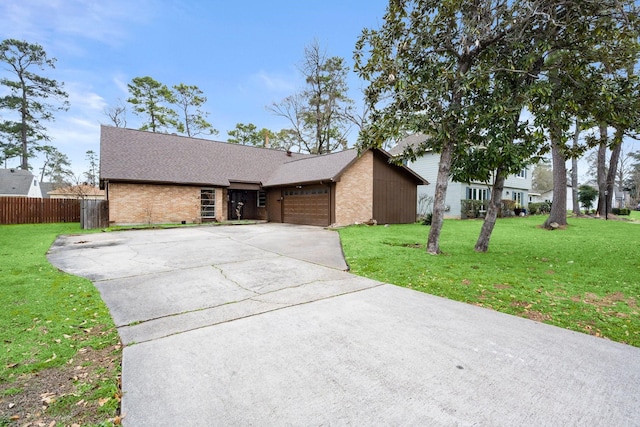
139	156
15	182
312	169
410	141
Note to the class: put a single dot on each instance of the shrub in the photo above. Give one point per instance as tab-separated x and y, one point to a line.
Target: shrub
506	208
470	209
621	211
539	208
426	220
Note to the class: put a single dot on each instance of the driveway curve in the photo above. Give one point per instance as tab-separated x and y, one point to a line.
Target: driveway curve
262	325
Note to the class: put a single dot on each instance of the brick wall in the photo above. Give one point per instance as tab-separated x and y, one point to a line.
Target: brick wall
354	192
156	204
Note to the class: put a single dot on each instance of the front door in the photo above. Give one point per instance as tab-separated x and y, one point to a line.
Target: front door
242	204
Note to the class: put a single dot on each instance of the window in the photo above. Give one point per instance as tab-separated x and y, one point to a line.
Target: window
262	198
477	193
208	203
522	173
518	196
481	194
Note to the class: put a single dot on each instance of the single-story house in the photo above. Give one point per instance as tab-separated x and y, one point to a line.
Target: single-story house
80	191
19	182
160	178
516	187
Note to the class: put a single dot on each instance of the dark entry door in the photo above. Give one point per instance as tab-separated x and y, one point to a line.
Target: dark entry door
242	204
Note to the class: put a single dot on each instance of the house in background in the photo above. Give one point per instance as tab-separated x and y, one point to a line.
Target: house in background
159	178
81	191
19	182
516	187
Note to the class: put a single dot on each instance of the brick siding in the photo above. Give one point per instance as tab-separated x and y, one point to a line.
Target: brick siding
157	204
354	192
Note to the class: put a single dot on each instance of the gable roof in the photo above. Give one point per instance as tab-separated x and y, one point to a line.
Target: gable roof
139	156
47	187
16	182
410	141
327	167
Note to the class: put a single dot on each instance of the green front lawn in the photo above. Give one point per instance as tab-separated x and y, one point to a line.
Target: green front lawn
53	326
585	278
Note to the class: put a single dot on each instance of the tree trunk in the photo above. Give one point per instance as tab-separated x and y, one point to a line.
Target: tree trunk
613	168
482	245
558	212
602	169
23	130
442	181
574	171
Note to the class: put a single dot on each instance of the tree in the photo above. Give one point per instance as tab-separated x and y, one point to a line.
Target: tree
427	64
247	134
586	195
92	175
28	94
117	114
318	114
542	177
597	35
56	167
8	148
151	100
193	122
633	180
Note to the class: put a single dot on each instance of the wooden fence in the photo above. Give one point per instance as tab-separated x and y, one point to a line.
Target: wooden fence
94	214
31	210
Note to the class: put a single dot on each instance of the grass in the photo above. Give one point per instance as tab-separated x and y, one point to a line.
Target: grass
51	321
584	278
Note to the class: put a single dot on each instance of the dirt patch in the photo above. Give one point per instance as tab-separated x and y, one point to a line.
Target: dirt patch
502	286
35	400
531	314
606	301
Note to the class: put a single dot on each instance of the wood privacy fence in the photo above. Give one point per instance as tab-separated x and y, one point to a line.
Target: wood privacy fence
94	214
31	210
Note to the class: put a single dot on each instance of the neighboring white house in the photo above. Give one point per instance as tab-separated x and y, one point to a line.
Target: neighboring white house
620	199
516	187
19	182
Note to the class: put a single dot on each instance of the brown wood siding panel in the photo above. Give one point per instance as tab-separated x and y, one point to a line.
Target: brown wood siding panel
308	205
394	194
274	205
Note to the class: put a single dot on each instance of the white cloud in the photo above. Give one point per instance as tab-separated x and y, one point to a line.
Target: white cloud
83	100
275	83
37	20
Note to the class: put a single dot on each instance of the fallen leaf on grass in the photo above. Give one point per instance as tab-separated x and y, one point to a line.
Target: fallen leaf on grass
47	398
102	401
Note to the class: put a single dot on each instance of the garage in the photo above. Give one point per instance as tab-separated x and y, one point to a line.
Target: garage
309	205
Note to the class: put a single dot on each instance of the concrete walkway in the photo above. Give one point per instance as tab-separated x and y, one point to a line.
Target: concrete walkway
261	325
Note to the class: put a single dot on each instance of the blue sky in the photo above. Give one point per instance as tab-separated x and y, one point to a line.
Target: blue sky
242	55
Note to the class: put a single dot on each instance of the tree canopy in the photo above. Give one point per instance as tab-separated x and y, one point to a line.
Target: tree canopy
463	72
151	100
320	114
26	106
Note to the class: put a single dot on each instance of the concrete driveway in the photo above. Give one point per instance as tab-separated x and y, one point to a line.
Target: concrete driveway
261	325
